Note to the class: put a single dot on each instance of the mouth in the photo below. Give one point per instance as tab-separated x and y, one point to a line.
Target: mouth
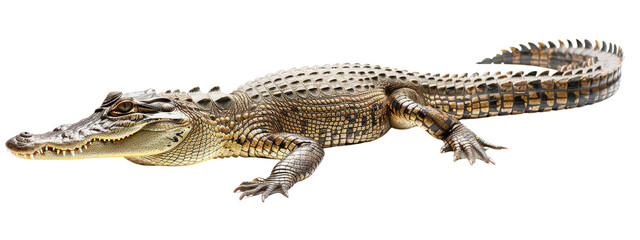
146	140
51	151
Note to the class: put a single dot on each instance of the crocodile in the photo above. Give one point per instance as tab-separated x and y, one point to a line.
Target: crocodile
293	115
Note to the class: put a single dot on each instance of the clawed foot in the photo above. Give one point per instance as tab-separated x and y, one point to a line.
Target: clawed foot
465	144
263	186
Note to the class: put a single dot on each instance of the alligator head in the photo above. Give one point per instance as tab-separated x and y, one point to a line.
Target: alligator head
128	125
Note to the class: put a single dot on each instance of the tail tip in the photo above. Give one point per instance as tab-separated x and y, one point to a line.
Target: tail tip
486	61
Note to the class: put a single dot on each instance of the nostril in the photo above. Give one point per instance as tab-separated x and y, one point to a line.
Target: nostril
25	134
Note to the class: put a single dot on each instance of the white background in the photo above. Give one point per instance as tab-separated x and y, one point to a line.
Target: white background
570	174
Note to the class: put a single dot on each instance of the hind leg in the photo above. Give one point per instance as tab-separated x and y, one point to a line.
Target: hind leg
407	110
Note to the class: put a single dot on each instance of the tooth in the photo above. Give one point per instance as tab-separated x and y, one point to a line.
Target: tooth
73	153
25	156
80	149
64	153
31	155
46	148
58	150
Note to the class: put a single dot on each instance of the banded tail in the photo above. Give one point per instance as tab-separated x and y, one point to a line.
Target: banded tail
585	74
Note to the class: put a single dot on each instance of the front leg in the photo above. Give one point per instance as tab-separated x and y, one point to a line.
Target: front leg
299	158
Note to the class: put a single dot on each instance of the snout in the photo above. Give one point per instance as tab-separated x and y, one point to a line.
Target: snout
56	144
23	142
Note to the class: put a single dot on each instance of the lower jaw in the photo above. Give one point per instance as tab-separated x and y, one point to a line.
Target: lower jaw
68	155
92	149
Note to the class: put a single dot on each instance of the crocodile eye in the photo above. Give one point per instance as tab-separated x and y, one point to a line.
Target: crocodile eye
125	107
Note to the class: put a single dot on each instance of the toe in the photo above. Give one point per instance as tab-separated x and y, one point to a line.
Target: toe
458	153
246	186
285	191
268	192
489	145
470	154
482	154
446	148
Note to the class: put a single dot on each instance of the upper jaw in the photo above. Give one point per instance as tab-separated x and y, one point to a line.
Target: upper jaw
26	145
86	149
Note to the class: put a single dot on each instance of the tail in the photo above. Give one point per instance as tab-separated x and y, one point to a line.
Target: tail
585	74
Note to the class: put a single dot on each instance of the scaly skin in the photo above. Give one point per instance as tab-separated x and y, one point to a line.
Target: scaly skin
292	115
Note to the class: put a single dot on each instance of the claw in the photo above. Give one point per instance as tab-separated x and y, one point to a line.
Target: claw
244	187
445	148
456	157
267	192
285	191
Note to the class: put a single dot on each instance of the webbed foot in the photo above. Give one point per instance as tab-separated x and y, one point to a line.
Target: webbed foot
465	144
